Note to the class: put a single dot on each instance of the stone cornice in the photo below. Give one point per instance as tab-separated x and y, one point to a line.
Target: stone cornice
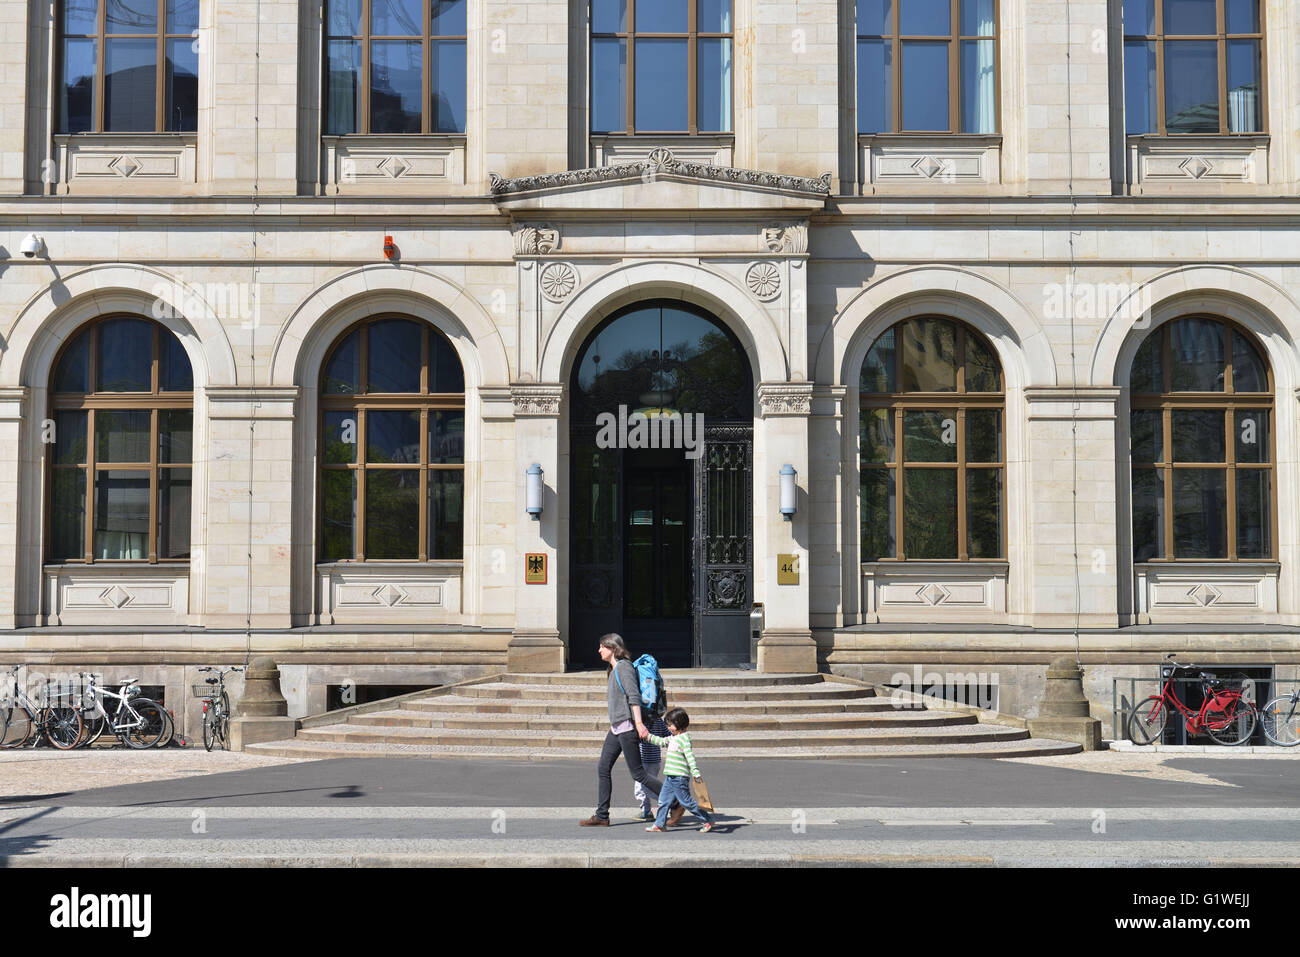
1072	403
784	398
536	399
662	163
255	402
13	403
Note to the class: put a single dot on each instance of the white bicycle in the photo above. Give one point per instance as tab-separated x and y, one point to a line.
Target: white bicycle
138	722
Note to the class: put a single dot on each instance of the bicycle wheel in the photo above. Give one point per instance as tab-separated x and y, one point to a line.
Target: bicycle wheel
223	723
210	726
62	727
169	730
17	726
1146	723
152	725
94	724
1280	719
1234	725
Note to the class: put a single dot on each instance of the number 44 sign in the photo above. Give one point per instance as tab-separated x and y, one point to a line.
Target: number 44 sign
787	569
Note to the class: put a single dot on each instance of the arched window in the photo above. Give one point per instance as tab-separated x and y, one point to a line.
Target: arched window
931	438
392	445
122	401
1201	399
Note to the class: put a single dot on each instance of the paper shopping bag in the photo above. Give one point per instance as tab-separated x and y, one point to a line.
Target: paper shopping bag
702	795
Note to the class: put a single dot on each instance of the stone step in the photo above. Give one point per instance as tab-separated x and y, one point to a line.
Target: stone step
1023	748
563	706
678	678
551	738
781	725
766	695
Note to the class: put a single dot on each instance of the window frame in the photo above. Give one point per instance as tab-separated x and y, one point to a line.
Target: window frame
899	403
101	38
1229	402
1221	39
365	38
692	36
363	402
155	402
954	39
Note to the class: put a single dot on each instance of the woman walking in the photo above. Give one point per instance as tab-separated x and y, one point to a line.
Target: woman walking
626	727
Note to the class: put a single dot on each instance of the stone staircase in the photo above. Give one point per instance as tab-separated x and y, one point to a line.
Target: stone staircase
734	714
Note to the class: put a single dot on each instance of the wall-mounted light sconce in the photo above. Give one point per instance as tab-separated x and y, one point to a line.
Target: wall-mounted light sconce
788	494
535	491
31	245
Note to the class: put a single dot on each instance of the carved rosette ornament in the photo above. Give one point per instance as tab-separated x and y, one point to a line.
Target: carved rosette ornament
784	398
558	280
764	280
536	400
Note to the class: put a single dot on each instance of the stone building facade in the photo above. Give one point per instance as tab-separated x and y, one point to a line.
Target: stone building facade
1040	229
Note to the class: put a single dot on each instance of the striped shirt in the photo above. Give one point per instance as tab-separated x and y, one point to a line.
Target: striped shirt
680	759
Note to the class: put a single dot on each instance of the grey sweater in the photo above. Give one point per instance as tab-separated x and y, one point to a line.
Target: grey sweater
622	699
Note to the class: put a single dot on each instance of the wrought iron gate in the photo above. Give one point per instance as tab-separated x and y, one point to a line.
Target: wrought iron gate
724	546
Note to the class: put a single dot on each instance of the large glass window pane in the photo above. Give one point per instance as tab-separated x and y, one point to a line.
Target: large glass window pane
77	98
392	435
977	18
1147	375
122	435
343	97
1140	17
608	85
662	16
1191	86
1190	18
395	86
878	518
930	435
446	436
397	18
1198	435
338	530
344	19
930	513
339	431
925	86
661	79
978	85
713	16
73	371
122	515
1200	513
125	358
395	359
1249	373
80	16
182	16
875	18
174	488
878	369
174	371
982	371
130	86
983	435
1139	87
608	16
1196	347
68	515
70	438
929	356
875	86
984	513
877	435
1241	16
445	373
392	514
1147	439
182	79
343	371
448	86
446	514
713	102
175	435
1148	514
1245	109
1252	440
131	16
1254	513
925	18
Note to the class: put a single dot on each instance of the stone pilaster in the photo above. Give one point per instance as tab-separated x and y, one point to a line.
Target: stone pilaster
13	408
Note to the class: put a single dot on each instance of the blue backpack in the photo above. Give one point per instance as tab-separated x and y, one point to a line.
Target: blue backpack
654	702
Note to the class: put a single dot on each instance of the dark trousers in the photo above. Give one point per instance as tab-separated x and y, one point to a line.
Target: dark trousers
629	745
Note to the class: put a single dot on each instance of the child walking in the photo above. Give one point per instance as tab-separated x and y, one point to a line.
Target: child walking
679	767
651	757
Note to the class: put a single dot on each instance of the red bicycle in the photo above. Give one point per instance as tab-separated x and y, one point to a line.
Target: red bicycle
1226	715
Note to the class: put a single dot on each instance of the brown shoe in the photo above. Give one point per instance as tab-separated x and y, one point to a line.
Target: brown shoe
594	821
675	815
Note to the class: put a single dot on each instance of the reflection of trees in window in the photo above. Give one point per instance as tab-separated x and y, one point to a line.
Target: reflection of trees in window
1201	444
392	445
931	437
122	399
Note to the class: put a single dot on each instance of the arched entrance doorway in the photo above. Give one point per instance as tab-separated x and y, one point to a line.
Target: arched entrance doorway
661	490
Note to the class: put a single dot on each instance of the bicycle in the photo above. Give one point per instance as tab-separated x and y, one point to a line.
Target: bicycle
1280	719
138	722
1226	715
23	720
216	708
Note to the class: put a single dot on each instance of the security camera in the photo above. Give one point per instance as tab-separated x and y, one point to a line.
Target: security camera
31	245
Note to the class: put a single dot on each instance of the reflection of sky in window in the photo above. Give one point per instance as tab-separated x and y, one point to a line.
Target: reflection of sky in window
131	16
